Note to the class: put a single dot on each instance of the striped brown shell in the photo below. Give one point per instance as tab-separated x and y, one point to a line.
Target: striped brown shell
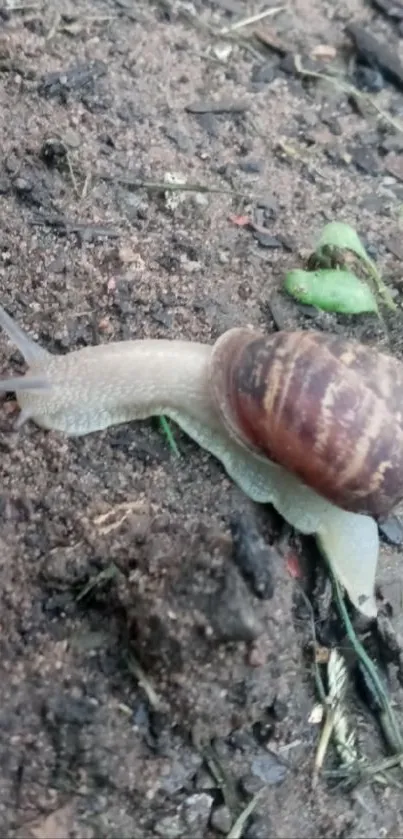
327	409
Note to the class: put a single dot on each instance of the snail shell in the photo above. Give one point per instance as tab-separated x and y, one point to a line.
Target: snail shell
329	410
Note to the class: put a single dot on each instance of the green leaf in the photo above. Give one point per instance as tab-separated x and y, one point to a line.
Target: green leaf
331	290
339	236
166	429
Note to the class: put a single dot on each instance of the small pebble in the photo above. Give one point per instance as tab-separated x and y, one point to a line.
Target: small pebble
265	770
252	167
263	73
266	240
232	612
253	557
169	827
196	812
221	820
365	159
259	828
368	79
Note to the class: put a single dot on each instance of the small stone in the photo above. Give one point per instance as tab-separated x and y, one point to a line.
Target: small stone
365	159
251	784
232	612
181	140
253	557
269	204
325	52
71	138
259	829
266	240
204	780
368	79
263	73
209	123
58	265
196	812
221	820
269	769
200	199
393	142
23	185
12	164
252	167
170	827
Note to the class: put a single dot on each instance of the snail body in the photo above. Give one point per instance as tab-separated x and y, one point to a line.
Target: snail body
307	422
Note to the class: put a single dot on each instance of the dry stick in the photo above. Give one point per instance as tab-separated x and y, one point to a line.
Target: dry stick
238	826
157	186
137	671
246	21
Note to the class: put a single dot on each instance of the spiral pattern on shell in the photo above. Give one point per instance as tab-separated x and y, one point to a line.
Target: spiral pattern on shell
327	409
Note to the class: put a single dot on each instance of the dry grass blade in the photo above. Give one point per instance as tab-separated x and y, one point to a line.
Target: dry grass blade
239	825
109	573
167	186
137	671
239	24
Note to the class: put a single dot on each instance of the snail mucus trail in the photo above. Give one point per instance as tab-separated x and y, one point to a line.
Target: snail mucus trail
308	422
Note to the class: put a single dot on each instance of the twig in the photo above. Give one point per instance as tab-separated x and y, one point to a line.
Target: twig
246	21
239	824
137	671
167	186
109	573
55	25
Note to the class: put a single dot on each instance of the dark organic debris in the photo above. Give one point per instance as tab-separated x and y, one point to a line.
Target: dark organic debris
365	159
252	556
32	188
225	106
263	73
231	610
390	8
79	77
87	231
377	54
266	239
269	38
265	770
368	79
53	151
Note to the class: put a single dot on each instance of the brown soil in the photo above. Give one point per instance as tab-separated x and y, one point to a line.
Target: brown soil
93	93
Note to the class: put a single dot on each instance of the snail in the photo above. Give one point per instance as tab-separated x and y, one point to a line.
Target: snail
306	421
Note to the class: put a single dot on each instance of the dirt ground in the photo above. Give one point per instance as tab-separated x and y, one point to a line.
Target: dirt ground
147	689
